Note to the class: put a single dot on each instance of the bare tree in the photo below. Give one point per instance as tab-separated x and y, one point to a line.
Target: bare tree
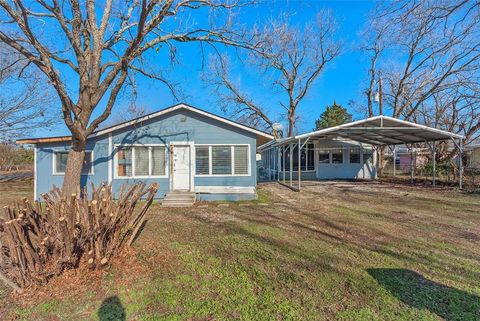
291	58
101	52
25	99
427	46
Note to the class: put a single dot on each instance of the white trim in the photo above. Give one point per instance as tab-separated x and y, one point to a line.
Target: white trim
210	161
176	107
225	189
110	158
54	163
35	173
192	161
115	161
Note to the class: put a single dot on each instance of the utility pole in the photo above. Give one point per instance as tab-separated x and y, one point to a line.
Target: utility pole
380	94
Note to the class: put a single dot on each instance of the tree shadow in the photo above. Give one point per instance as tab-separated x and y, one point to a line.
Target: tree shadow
413	289
111	309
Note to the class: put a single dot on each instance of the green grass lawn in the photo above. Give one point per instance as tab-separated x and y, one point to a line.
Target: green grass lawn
333	252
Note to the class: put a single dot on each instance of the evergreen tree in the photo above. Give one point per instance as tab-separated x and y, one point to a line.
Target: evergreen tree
334	115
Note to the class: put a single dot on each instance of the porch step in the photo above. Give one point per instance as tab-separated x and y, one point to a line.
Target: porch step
178	199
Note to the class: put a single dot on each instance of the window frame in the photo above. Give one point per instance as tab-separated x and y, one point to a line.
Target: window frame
54	163
150	168
210	161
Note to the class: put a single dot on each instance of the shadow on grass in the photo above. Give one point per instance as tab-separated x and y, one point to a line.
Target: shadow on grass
413	289
111	309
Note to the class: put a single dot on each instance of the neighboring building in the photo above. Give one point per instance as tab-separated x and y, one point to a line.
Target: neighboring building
472	152
182	148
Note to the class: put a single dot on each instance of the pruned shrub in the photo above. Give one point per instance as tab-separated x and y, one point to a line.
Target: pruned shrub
39	241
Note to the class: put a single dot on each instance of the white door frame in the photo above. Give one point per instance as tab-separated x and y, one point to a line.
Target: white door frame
192	161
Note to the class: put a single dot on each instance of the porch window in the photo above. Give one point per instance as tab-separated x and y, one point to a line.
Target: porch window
337	156
222	160
367	155
141	161
307	158
324	156
354	155
60	163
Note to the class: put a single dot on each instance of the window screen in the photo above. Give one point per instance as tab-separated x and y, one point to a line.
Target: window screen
202	160
310	157
141	161
241	160
221	160
158	160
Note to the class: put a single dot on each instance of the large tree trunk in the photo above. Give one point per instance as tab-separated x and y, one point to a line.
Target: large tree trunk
73	172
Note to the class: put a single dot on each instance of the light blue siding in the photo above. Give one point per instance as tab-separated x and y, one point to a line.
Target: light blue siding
177	126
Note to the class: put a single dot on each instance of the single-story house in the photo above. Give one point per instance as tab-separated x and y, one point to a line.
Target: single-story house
182	148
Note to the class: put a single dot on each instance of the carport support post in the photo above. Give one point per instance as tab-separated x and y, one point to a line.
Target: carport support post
291	163
460	164
394	161
299	164
411	164
434	164
279	165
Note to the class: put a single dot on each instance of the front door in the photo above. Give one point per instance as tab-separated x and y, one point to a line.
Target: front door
181	168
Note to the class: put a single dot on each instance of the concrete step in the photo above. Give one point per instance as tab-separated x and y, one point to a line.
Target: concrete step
178	199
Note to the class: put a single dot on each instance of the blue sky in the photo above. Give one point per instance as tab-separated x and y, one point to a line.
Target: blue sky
342	81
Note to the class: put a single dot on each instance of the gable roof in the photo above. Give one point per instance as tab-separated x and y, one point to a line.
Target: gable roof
262	136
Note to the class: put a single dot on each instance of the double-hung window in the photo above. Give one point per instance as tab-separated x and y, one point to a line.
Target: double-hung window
60	163
141	161
222	160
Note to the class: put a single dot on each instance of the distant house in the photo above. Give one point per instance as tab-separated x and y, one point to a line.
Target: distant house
183	148
473	155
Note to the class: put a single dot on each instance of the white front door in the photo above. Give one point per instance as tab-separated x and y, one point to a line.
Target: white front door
181	167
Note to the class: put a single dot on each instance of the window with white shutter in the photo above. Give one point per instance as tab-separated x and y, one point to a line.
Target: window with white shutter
158	160
141	161
202	160
241	160
221	160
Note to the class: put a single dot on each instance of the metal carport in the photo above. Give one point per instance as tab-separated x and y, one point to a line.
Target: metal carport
376	131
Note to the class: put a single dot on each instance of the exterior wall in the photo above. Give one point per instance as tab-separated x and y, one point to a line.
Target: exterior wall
178	126
363	170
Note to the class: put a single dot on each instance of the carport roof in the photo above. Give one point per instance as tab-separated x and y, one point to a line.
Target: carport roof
379	130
